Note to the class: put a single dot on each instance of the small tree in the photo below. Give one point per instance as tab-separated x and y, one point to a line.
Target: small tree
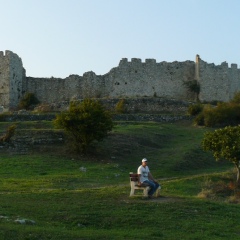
224	143
86	122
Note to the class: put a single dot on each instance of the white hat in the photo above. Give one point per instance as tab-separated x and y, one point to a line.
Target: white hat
144	160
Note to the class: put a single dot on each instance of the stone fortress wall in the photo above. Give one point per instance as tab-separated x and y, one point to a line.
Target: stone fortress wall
218	83
12	76
130	79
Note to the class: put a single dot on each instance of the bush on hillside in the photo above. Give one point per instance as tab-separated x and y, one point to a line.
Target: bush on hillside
224	114
9	134
85	122
195	109
120	106
194	87
28	101
199	119
236	98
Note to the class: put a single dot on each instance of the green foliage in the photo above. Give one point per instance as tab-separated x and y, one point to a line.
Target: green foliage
224	143
195	109
221	115
66	202
9	134
224	114
236	98
193	86
86	122
28	100
120	106
199	119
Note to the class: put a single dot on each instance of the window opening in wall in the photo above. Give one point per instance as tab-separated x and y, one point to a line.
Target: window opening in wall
135	71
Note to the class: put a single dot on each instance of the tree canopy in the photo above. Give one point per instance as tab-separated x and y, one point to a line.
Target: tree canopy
224	143
86	122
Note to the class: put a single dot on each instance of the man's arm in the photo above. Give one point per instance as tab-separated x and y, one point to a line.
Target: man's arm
150	176
139	176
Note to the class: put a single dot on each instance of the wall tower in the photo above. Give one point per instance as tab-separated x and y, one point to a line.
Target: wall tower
12	74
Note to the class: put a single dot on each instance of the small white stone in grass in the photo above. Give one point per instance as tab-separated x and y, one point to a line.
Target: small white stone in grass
25	221
83	169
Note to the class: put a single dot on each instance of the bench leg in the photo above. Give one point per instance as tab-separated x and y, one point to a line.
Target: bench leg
158	191
145	191
132	192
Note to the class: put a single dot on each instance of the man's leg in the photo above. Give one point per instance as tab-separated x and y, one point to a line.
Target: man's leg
153	187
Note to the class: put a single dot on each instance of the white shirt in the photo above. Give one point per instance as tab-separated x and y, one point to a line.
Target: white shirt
144	173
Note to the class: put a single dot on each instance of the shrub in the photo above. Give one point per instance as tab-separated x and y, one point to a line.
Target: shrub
28	101
213	190
195	109
194	87
236	98
199	119
85	122
223	114
9	134
120	106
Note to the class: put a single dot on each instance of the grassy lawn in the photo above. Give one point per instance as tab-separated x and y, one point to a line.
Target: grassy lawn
58	195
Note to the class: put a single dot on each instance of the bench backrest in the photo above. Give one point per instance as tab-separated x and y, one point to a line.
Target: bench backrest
133	177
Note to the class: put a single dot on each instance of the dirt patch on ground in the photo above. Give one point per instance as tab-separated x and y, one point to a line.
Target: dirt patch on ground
163	199
160	199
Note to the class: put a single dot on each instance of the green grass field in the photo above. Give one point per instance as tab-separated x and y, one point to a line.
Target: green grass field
55	194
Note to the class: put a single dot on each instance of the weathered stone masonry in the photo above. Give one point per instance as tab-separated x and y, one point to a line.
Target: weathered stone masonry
12	76
128	80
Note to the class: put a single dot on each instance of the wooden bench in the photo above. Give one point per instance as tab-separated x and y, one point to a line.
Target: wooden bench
134	186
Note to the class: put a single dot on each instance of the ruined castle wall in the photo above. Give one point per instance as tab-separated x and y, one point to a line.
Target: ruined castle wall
4	80
218	83
53	90
17	75
234	75
12	74
128	80
140	79
93	86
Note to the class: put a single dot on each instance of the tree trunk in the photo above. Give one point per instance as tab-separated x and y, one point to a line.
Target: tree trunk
238	173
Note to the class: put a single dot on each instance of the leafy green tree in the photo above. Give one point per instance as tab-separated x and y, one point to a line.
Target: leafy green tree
86	122
224	143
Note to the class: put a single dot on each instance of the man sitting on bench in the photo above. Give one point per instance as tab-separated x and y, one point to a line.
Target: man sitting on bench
146	178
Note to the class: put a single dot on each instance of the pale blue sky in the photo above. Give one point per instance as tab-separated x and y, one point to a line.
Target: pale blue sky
62	37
